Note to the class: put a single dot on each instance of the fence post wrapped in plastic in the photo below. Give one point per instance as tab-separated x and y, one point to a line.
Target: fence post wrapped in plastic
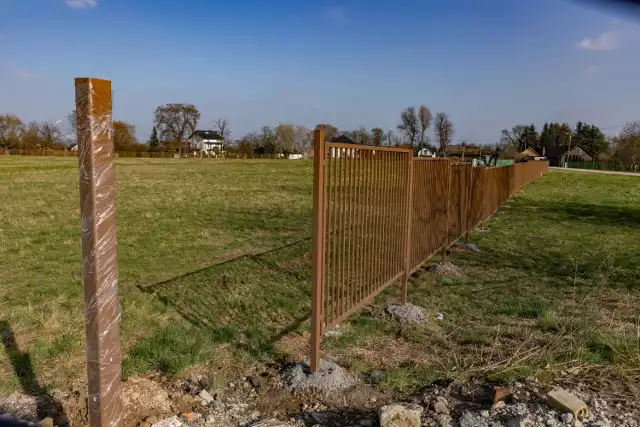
98	214
318	247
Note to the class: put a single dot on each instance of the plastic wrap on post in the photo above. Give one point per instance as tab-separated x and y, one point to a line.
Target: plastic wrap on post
97	204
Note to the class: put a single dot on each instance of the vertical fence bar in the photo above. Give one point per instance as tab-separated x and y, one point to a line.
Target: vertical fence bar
99	249
409	227
318	246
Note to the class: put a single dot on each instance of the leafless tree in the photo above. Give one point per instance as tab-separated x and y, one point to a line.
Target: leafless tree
50	134
627	145
176	122
285	139
11	128
377	135
303	139
444	131
513	137
425	121
223	128
409	124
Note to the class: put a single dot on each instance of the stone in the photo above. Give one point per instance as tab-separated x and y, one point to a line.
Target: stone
470	419
440	408
47	422
577	423
564	401
377	375
521	422
566	418
169	422
444	420
500	394
206	396
500	404
366	423
397	415
485	414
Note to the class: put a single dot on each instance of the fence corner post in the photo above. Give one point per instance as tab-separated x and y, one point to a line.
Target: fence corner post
318	247
409	230
97	207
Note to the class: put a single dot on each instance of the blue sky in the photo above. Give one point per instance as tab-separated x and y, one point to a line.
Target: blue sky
489	64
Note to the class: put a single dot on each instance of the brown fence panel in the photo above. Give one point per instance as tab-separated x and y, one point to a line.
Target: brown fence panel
478	194
429	212
459	196
365	212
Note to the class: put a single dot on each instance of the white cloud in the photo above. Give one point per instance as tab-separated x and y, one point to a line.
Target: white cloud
338	14
81	4
591	71
24	74
611	39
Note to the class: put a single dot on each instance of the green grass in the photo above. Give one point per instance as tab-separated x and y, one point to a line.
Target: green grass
215	271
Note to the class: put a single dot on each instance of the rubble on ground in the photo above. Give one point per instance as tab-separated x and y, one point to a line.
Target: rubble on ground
447	269
330	378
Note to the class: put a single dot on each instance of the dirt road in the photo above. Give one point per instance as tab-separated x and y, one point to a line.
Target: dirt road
593	171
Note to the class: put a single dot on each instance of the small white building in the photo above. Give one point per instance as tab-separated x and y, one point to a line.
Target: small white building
208	142
294	156
425	152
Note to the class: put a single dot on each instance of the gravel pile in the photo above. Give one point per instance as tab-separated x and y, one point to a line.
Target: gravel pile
447	269
406	313
330	378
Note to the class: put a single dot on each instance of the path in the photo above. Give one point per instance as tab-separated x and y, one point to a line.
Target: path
594	171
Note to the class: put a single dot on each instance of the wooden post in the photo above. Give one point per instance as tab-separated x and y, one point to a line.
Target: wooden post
446	234
318	247
470	194
409	230
97	208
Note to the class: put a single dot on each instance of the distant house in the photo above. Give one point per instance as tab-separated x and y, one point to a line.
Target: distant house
209	142
528	154
559	155
294	156
74	148
342	139
425	152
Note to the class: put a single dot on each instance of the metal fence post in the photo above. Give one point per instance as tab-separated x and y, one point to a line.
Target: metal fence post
446	223
409	230
318	247
97	207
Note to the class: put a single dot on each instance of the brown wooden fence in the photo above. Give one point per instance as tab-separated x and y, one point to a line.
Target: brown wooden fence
379	214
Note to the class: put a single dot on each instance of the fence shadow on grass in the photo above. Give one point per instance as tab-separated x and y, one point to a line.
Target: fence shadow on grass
249	302
589	212
46	405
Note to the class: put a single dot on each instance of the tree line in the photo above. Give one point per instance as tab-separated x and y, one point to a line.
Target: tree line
623	148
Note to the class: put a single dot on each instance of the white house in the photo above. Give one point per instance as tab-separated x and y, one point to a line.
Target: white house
294	156
208	142
425	152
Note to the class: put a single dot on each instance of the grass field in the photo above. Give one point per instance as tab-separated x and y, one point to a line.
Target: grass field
214	260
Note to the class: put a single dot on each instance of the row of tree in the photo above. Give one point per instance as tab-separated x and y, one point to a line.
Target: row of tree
623	148
588	136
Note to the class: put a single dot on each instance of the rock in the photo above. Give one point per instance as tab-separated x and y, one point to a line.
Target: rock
47	422
366	423
577	423
564	401
444	420
169	422
566	418
439	316
406	313
498	405
400	416
145	424
521	422
500	394
440	408
485	414
377	375
217	404
470	419
206	396
152	419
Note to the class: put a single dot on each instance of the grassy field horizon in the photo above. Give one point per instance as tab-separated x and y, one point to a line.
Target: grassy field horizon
215	270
